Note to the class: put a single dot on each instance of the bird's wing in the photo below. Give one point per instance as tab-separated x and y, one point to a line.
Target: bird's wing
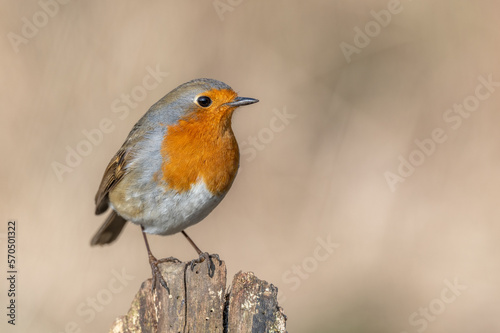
115	171
117	168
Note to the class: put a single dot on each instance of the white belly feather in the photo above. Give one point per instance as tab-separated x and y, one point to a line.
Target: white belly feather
169	212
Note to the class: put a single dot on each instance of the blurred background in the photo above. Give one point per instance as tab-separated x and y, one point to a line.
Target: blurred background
368	188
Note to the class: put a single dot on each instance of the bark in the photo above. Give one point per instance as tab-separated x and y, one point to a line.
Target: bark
197	301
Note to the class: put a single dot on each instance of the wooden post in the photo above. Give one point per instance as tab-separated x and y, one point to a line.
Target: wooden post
199	302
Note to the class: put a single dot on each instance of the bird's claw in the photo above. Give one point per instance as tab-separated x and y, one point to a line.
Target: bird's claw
205	256
157	276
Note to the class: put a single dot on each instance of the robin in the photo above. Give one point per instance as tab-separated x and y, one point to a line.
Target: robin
175	167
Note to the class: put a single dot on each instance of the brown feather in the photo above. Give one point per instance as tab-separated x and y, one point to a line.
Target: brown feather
116	168
110	230
113	174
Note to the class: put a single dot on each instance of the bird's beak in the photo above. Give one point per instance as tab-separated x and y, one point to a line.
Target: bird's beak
239	101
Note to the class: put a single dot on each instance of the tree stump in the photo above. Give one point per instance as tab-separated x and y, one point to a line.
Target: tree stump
197	301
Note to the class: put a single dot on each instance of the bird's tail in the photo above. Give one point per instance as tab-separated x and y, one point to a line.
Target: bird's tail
110	230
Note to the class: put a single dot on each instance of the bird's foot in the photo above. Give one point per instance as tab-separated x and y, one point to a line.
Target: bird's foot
157	276
205	256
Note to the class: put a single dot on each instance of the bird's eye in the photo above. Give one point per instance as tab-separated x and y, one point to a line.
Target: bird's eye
204	101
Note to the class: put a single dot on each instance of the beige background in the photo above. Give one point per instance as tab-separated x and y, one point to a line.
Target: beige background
321	175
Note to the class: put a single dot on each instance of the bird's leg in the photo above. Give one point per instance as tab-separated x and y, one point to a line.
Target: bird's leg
192	243
202	256
154	265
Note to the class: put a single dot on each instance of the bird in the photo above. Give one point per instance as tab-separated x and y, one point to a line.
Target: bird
175	166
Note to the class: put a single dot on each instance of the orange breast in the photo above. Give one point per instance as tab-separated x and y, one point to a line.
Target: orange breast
201	146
